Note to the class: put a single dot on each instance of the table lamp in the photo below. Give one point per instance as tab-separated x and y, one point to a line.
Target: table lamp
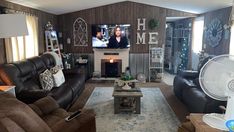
13	25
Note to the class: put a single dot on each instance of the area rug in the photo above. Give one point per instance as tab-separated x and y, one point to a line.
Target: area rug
156	115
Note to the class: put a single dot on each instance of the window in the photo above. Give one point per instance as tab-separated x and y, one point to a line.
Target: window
197	34
197	39
19	48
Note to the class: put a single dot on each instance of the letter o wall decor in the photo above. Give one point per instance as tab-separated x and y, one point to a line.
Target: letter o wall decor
80	33
214	32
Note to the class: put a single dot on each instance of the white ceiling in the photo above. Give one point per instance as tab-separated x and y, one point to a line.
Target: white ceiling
66	6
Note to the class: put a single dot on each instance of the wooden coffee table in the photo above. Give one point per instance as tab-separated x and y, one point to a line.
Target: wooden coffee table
127	100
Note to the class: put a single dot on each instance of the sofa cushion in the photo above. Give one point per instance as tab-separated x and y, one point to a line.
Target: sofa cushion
39	106
62	95
17	116
195	99
55	116
38	64
48	60
46	79
76	82
26	69
27	76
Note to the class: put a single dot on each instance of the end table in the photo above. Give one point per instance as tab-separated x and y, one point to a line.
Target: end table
9	89
199	125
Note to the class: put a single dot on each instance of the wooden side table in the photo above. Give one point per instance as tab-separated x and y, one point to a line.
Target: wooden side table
200	126
9	89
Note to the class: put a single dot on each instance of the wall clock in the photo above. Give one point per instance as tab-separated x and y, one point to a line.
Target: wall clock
214	32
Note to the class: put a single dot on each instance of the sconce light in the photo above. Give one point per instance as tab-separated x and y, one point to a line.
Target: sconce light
68	41
111	60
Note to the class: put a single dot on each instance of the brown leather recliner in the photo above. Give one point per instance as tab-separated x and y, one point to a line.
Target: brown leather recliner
43	115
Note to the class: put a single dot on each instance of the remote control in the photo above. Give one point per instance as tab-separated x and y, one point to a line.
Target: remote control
73	115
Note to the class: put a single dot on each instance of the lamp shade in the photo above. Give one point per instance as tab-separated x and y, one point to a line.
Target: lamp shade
13	25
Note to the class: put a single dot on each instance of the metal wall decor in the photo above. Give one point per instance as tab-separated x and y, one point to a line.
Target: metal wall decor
214	32
80	33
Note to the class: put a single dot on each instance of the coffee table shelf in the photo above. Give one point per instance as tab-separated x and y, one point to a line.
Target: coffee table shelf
124	97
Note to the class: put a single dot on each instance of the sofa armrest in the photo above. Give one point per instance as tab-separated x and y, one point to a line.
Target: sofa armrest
180	84
188	74
74	71
213	106
30	96
85	122
44	106
81	70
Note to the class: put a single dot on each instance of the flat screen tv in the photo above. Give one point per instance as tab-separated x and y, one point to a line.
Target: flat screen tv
111	36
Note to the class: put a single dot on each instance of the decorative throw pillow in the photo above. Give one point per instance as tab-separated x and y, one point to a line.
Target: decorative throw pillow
58	78
55	69
46	80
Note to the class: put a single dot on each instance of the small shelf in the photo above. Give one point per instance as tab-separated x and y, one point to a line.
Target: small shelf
156	59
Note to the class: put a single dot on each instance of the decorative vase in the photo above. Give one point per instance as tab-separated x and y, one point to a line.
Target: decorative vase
126	86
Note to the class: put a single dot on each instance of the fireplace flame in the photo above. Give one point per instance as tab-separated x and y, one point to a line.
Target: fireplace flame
111	60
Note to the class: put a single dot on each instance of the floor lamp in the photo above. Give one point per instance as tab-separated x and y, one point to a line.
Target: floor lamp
13	25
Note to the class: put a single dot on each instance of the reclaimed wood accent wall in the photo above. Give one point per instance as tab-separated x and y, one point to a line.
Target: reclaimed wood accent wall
118	13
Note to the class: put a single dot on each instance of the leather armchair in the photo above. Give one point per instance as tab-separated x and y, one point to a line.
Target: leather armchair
187	89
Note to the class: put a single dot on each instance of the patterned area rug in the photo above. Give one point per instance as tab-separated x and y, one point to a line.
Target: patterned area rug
156	115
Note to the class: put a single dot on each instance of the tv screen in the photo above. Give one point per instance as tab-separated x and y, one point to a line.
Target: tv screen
111	36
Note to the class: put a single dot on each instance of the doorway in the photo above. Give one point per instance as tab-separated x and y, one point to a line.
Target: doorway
178	44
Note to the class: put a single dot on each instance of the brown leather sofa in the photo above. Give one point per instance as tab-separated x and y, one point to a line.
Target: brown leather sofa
25	76
43	115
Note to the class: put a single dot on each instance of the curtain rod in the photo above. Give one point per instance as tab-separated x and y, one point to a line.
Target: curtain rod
13	11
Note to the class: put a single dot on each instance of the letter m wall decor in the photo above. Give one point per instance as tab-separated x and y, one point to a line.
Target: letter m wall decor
80	33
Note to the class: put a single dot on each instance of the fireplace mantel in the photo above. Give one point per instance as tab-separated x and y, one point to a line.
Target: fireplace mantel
120	54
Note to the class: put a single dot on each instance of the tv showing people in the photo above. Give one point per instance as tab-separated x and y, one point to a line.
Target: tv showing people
111	36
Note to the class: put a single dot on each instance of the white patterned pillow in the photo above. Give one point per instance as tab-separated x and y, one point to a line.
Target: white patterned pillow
55	69
46	80
58	78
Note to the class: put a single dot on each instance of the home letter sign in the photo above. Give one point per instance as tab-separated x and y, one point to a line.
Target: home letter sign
153	37
141	38
139	24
